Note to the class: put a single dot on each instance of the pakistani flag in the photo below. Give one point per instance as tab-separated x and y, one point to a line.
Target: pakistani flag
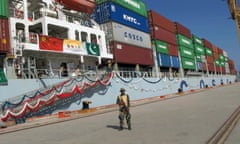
92	49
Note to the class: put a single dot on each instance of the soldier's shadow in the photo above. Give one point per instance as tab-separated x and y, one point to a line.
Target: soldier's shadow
113	127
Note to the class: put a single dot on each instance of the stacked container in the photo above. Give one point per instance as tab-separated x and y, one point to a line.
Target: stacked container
185	46
232	67
4	27
163	37
126	27
198	51
208	56
4	38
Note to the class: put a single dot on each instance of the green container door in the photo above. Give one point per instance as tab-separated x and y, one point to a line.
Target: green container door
136	6
161	47
4	8
3	79
199	49
197	40
199	58
221	57
186	52
208	52
188	63
217	62
184	41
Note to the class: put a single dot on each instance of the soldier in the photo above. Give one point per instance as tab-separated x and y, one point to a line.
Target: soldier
124	104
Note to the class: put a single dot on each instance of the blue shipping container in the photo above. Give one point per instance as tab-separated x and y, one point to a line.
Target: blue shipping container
199	66
164	60
107	12
174	62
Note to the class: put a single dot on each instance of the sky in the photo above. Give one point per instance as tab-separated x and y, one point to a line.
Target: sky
209	19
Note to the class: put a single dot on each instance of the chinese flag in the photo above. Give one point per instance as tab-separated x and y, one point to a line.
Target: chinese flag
50	43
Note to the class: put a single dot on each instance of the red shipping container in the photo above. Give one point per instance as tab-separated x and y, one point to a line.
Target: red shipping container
172	50
4	36
207	44
209	59
210	67
180	29
215	55
129	54
163	35
220	51
156	19
204	66
214	48
218	69
223	70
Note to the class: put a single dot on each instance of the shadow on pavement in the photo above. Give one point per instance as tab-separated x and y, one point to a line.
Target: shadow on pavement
113	127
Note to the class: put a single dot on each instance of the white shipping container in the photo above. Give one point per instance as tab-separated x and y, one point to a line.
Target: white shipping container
126	34
225	53
227	69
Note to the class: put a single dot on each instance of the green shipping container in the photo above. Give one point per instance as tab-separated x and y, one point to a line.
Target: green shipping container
221	58
161	47
217	63
186	52
199	49
136	6
208	52
184	41
188	63
4	8
197	40
199	58
226	59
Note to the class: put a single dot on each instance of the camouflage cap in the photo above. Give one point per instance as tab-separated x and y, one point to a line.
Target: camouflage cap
122	90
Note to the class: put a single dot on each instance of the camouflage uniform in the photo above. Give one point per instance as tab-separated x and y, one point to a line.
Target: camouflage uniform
124	104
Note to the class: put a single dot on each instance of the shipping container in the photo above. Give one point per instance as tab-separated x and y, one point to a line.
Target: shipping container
209	59
4	9
184	41
129	54
196	40
225	54
214	48
207	43
180	29
221	58
163	60
162	34
109	11
211	67
217	62
172	50
199	49
218	69
121	33
227	70
186	52
215	55
174	62
4	36
208	51
136	6
161	47
199	65
198	57
188	63
156	19
220	51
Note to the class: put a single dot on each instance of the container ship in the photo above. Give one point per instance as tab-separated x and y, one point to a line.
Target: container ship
56	55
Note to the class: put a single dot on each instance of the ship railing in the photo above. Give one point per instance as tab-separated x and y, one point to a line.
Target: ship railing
80	20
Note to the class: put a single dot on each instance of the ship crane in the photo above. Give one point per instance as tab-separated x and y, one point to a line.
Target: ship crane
235	13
